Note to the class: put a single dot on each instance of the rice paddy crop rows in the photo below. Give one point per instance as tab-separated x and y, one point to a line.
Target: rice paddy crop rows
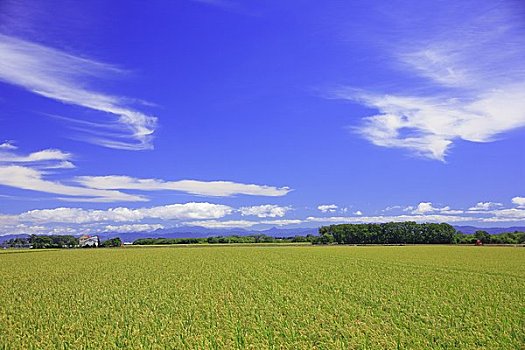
336	297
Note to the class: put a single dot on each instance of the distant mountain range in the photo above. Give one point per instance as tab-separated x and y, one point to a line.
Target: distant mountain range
202	232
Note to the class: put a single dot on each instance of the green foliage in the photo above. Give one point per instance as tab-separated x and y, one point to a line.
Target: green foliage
254	297
53	241
152	241
233	239
501	238
17	243
388	233
43	241
113	242
483	236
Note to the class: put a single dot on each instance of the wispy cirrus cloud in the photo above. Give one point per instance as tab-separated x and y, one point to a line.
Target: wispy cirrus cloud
204	188
32	172
64	77
88	189
27	178
429	125
466	83
47	158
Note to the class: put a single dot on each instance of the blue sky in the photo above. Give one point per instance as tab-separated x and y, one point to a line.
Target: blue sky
221	113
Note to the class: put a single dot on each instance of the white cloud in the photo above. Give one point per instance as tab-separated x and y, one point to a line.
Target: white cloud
32	179
399	218
44	155
22	228
222	224
423	207
133	228
328	208
25	172
395	207
482	206
519	201
205	188
451	211
460	90
264	211
506	215
281	222
185	211
429	125
61	165
427	207
47	158
241	223
8	219
358	212
63	77
8	145
210	215
190	210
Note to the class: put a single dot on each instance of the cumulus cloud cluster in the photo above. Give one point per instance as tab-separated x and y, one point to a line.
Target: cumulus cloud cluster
190	210
519	201
66	220
485	206
428	207
264	211
328	208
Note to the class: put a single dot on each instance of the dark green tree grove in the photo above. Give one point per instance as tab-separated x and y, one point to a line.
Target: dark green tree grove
388	233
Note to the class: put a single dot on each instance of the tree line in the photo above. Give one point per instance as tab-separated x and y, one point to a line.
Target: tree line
383	233
54	241
233	239
410	232
388	233
484	237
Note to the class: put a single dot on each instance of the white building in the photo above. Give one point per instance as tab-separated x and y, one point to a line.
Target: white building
88	241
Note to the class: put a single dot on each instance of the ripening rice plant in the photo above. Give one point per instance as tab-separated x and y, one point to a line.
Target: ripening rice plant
336	297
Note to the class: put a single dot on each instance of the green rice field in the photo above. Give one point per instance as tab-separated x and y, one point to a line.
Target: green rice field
264	297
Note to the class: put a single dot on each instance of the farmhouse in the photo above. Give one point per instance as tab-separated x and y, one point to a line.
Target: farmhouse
88	241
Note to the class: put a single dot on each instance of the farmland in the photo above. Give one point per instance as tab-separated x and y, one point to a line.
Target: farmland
269	297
